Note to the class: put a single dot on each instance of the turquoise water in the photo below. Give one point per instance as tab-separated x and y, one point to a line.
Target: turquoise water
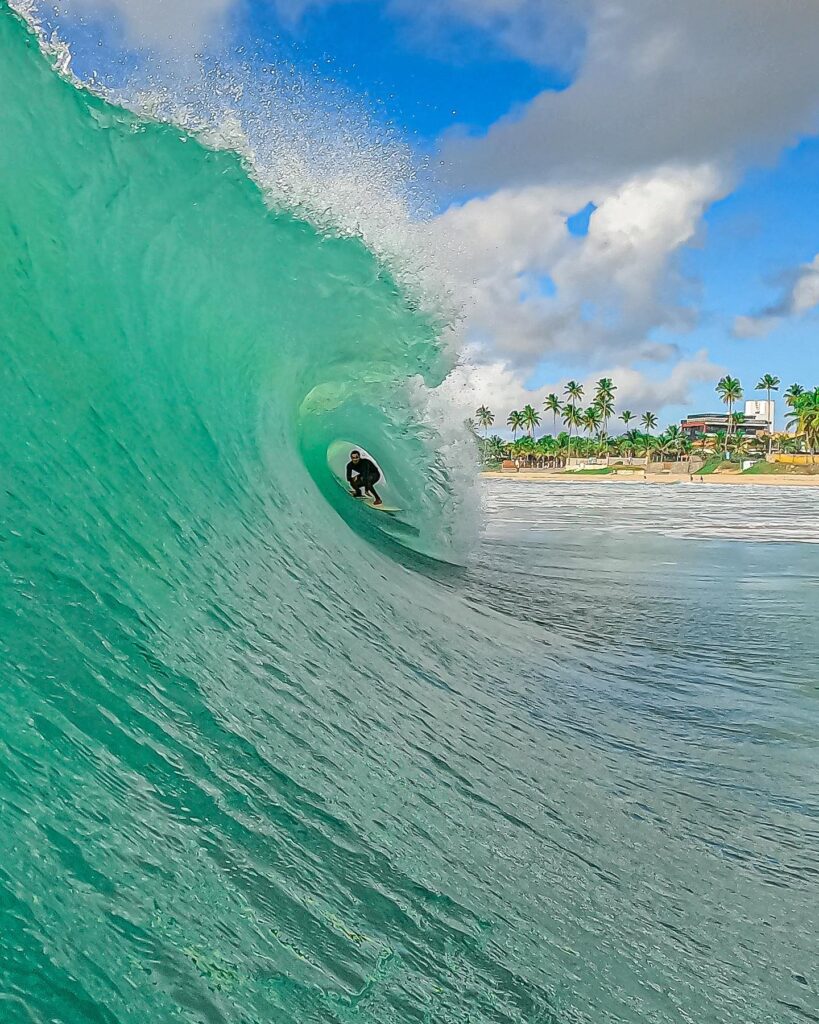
259	761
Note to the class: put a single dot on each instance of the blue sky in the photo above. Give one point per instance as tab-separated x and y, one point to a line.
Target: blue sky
615	189
424	90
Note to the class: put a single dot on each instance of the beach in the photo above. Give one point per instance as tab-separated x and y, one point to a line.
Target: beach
743	479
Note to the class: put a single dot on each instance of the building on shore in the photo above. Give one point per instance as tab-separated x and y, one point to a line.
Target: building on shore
758	418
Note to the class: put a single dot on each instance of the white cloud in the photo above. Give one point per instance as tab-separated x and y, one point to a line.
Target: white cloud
671	102
500	386
754	326
639	392
662	82
534	290
801	297
805	293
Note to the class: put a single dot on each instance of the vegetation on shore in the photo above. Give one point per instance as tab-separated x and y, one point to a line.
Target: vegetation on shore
586	434
781	469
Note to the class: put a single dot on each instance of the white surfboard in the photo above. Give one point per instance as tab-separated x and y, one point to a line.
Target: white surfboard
370	503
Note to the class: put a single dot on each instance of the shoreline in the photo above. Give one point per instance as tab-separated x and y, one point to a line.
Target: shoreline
656	479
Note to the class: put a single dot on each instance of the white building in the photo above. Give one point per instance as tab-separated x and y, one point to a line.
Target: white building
756	409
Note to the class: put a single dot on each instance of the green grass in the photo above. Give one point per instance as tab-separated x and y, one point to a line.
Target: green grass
712	465
603	471
621	467
780	469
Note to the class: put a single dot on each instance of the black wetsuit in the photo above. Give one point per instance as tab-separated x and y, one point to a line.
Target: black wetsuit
366	473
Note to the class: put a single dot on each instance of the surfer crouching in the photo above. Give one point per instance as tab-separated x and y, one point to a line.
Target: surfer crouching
363	473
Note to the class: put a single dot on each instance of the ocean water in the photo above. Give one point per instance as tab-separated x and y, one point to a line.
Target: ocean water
267	756
675	717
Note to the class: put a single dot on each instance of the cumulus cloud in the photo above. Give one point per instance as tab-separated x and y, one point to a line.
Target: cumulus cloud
671	102
639	391
534	290
801	296
472	383
661	82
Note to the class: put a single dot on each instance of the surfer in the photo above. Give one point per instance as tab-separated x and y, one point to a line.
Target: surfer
363	473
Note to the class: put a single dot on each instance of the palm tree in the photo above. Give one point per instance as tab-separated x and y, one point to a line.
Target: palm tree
562	446
592	418
572	417
739	443
573	391
686	447
485	418
729	390
737	419
604	400
531	418
805	419
788	444
515	422
648	444
649	421
495	450
524	447
721	442
606	406
702	444
664	445
792	396
793	392
604	388
552	405
673	439
626	416
769	383
632	439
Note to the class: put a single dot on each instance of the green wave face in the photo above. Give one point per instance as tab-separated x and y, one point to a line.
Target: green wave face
160	320
193	616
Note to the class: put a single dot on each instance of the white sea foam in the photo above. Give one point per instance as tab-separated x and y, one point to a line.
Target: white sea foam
761	514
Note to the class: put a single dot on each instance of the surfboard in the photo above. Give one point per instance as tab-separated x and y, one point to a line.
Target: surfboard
366	499
370	503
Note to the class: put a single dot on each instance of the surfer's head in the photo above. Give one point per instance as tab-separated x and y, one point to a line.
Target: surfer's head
355	455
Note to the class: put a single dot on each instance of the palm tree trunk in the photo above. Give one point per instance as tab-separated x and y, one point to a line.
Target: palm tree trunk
770	426
728	431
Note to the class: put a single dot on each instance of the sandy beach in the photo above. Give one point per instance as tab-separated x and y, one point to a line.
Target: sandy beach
768	480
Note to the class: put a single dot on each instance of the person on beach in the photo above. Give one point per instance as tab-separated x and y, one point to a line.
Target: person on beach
363	473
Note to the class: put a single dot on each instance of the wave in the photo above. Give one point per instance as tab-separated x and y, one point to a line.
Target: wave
264	757
191	605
